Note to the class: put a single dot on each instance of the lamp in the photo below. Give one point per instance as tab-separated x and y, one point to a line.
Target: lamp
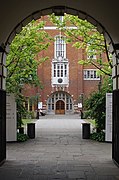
99	85
59	10
37	96
116	46
81	99
2	48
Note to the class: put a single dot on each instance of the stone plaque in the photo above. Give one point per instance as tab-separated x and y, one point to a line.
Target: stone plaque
108	125
11	125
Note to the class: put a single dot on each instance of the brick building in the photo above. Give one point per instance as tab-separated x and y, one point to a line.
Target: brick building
66	83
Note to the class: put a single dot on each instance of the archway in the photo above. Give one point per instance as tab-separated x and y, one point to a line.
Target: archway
58	10
60	102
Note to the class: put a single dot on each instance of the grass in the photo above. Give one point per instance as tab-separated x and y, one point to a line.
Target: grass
91	121
25	121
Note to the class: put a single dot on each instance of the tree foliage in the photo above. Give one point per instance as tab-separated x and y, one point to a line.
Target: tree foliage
21	60
85	35
22	63
95	104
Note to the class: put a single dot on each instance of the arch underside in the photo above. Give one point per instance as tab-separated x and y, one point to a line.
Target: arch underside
58	11
111	27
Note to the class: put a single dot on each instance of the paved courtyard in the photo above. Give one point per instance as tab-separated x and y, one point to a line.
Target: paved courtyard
59	153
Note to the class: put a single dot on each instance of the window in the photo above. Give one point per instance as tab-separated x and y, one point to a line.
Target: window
91	57
26	103
91	53
60	65
60	46
54	70
65	72
60	70
91	74
30	106
60	19
51	103
52	106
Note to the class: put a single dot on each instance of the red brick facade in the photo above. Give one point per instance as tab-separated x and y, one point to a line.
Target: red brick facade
78	87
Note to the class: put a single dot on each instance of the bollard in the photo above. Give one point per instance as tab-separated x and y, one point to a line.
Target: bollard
21	130
31	130
86	130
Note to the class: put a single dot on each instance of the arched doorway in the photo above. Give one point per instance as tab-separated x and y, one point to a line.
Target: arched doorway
60	103
36	16
60	107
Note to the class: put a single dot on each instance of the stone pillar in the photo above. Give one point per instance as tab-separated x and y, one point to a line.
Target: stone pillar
2	105
2	125
115	108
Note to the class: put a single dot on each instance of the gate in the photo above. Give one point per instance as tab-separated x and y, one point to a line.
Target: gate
115	128
2	126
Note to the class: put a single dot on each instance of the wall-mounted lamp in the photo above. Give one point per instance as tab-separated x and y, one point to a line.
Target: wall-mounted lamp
99	85
116	46
59	10
2	48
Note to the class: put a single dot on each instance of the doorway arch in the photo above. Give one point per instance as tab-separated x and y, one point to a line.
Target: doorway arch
60	102
58	10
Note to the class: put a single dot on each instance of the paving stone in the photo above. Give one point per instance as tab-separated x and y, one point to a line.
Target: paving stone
106	178
59	152
76	174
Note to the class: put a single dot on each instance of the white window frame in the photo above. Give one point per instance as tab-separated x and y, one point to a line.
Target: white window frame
61	72
90	74
62	49
93	56
61	62
61	18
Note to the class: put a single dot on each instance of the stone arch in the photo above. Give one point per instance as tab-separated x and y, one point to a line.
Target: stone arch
60	10
60	96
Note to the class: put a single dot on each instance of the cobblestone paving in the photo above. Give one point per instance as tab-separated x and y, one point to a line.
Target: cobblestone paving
59	153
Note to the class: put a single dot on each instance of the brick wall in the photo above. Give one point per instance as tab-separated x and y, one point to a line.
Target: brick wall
77	85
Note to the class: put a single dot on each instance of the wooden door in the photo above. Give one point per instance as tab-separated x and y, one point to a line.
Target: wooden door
60	107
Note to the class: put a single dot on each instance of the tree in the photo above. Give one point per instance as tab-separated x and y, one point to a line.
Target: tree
22	64
95	105
85	35
21	60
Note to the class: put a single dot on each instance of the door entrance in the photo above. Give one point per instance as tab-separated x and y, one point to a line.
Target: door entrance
60	107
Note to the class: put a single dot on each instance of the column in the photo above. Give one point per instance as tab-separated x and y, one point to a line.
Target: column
115	109
2	105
